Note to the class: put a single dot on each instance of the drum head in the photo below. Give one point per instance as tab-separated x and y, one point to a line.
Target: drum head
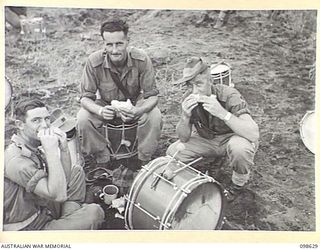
308	130
201	209
217	69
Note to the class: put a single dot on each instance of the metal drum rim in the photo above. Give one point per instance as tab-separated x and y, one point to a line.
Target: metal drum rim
217	69
134	190
9	100
307	115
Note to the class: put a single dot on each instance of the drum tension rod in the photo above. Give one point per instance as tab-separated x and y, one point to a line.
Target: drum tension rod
156	218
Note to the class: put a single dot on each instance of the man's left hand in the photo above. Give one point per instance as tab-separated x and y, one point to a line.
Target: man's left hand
212	105
131	114
62	137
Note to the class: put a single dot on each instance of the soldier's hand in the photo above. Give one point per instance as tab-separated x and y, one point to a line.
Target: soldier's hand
62	137
108	112
212	105
49	140
189	104
127	115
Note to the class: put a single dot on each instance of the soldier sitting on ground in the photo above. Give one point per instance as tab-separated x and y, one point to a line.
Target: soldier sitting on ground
42	190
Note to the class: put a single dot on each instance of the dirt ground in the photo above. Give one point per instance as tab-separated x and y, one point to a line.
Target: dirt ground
270	58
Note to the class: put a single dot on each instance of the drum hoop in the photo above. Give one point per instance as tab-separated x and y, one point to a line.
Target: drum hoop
220	64
124	155
220	75
308	114
135	191
121	126
11	91
129	208
129	205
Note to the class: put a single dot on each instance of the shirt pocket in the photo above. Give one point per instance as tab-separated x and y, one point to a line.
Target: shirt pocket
108	91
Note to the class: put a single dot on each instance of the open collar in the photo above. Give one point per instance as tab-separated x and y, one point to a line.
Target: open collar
107	63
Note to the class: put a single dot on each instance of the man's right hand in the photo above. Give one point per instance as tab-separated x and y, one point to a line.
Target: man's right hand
49	140
188	105
107	112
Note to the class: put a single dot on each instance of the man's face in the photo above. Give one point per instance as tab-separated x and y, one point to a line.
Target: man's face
35	120
116	46
201	84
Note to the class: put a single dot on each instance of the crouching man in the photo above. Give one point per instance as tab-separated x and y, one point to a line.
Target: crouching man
42	191
216	121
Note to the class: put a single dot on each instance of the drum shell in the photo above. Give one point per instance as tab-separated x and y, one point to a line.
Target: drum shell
221	74
116	133
33	29
222	78
160	201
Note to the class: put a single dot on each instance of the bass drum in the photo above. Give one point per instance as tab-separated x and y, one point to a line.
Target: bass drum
308	130
8	92
185	200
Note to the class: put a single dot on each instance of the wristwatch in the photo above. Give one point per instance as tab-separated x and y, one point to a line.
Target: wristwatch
227	117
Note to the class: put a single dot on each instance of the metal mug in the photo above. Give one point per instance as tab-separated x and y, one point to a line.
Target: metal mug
109	193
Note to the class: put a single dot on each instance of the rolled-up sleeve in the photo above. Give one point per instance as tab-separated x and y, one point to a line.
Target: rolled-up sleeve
236	104
88	87
24	172
147	79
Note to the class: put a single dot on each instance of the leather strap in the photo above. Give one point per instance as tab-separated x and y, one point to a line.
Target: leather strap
117	81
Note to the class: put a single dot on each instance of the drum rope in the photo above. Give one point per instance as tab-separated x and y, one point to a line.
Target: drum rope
115	153
221	75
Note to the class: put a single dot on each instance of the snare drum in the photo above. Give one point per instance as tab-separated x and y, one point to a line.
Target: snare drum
221	74
123	140
33	29
188	199
308	130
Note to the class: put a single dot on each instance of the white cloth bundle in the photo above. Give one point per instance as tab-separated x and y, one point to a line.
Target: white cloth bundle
119	105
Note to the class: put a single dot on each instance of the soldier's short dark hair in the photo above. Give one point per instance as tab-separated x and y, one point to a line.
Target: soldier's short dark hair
24	105
113	26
